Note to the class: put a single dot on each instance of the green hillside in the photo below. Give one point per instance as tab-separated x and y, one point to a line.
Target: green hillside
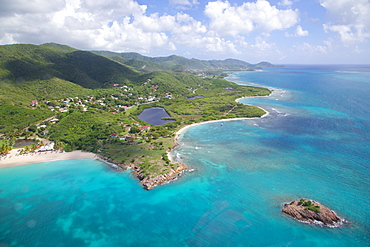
51	72
178	63
31	62
88	101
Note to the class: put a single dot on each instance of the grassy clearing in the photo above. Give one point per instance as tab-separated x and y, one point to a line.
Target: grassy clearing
147	155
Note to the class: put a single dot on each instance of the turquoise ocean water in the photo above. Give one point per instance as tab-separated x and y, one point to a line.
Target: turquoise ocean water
315	144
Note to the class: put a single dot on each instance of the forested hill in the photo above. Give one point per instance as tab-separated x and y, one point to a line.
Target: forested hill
82	100
53	71
55	76
178	63
34	62
47	72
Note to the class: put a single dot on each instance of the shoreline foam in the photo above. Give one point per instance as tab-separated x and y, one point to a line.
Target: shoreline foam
185	128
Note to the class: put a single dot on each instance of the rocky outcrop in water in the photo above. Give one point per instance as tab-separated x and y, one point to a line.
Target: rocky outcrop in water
311	212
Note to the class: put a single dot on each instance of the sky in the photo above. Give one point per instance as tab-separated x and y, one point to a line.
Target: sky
277	31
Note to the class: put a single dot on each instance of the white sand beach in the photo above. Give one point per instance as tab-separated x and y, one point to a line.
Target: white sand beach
14	159
182	130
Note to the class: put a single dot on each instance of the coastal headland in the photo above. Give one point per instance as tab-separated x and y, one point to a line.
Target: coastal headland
100	115
176	170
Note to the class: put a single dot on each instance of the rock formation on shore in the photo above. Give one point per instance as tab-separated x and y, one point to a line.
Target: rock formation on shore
311	212
150	182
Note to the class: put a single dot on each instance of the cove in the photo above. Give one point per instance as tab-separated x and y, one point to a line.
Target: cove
154	116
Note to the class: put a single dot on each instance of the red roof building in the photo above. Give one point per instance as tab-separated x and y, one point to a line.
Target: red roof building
130	138
34	103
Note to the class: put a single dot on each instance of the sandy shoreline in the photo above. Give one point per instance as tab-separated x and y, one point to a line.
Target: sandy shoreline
185	128
182	130
13	159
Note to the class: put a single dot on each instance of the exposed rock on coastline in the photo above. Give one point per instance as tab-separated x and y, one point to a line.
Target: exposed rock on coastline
112	163
311	212
149	182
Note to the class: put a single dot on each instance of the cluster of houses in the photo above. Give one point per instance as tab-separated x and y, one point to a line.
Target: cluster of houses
63	105
149	99
46	147
39	147
42	126
130	137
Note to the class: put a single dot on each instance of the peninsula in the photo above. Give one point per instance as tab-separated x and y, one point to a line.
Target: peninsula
79	100
311	212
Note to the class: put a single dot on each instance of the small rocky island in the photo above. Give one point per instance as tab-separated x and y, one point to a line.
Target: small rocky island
311	212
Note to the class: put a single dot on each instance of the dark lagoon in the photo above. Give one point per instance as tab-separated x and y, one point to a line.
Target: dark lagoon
154	116
22	143
196	97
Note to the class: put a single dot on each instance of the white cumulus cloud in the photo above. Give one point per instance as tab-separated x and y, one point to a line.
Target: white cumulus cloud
309	49
184	2
350	19
299	32
285	2
225	29
86	24
228	20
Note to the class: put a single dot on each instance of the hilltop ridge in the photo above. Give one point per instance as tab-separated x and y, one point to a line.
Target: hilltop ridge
180	64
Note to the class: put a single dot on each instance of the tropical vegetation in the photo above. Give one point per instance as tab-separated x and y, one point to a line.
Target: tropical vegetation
88	101
309	205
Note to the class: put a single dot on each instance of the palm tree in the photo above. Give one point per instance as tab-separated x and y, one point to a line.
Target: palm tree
33	147
58	146
5	148
12	141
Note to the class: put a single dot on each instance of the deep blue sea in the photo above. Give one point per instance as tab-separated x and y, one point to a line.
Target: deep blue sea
315	143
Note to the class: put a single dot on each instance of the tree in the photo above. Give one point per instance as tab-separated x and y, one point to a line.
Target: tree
156	135
32	128
134	130
58	145
33	147
5	148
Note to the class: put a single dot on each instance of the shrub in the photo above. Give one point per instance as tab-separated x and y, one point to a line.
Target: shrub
309	205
